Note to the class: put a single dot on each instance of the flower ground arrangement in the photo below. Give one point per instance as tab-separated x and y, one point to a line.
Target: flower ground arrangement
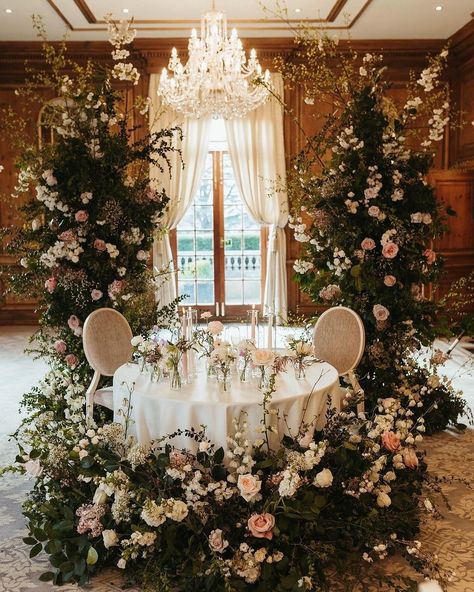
365	214
246	518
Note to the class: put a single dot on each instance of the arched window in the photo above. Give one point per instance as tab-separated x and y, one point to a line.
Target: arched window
47	121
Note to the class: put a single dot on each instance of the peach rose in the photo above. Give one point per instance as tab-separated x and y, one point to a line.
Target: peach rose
249	486
373	211
262	357
60	346
430	256
71	360
217	542
215	327
391	441
99	244
390	250
50	284
409	458
96	294
380	312
389	280
81	216
368	244
261	525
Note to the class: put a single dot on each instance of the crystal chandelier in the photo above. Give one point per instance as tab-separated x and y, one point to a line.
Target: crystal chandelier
217	80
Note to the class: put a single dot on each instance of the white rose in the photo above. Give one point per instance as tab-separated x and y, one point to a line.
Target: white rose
33	468
383	500
121	563
82	454
323	478
110	538
100	497
142	255
429	586
203	446
215	327
179	511
249	486
303	349
136	340
262	357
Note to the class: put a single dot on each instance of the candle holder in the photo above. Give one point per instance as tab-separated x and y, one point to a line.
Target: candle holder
253	332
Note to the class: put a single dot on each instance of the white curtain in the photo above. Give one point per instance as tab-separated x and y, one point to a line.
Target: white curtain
183	182
256	148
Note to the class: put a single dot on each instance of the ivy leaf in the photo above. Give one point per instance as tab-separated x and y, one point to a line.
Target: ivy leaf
36	549
219	455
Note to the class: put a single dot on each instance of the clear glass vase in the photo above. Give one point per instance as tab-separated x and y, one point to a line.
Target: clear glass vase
244	370
300	371
223	377
176	376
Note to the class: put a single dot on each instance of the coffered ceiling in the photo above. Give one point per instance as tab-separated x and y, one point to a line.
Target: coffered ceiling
361	19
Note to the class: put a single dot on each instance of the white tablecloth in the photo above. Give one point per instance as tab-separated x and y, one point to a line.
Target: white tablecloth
157	410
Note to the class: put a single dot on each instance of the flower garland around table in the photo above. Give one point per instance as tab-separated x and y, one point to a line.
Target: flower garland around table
342	499
366	217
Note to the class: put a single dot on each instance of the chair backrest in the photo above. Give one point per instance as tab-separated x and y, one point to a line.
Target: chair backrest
339	338
106	339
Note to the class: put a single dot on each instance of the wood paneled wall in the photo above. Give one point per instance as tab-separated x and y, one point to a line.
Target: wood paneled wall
454	174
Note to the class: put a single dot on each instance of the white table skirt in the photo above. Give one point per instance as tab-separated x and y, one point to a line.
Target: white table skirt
157	410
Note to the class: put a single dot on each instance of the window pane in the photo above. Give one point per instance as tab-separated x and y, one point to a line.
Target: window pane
204	193
205	292
231	193
252	292
233	266
205	268
203	216
233	292
187	289
252	266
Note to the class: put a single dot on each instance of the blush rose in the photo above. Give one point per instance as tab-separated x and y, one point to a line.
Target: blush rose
391	441
249	486
261	525
390	250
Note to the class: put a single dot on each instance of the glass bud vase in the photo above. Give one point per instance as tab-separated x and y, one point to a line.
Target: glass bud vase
176	377
223	377
245	371
300	372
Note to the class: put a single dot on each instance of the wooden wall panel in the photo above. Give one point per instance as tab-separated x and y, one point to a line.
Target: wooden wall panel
150	55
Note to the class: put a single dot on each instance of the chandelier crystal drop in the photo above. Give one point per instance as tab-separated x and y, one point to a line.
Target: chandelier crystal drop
217	80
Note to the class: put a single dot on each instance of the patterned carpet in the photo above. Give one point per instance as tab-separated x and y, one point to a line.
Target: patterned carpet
449	454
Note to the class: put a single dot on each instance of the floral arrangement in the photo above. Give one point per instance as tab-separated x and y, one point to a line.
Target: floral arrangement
245	518
362	209
245	349
222	359
89	214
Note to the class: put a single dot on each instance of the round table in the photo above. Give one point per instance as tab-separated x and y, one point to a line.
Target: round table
156	410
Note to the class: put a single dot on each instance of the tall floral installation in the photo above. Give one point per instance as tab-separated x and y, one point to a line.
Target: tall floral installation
366	217
90	212
324	510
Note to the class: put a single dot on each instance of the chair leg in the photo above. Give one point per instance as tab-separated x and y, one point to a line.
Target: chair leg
90	397
357	390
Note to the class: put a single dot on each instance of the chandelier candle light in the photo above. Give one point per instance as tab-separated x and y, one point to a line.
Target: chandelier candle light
217	80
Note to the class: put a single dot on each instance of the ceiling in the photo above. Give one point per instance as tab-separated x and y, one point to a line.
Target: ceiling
361	19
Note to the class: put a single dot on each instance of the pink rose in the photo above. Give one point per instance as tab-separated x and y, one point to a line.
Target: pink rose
73	322
67	236
430	256
409	458
99	244
368	244
261	525
50	284
389	280
60	346
96	294
249	486
390	250
81	216
116	287
391	441
33	467
71	360
380	312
